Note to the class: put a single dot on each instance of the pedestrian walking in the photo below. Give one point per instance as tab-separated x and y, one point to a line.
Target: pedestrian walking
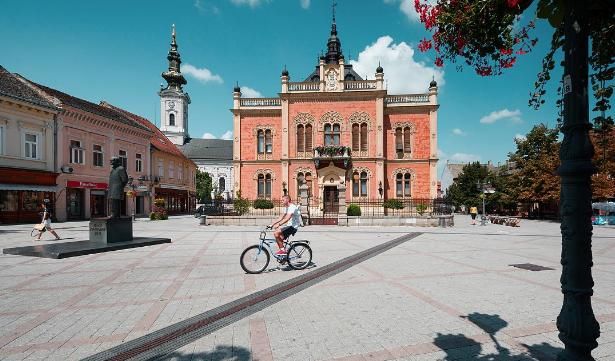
46	222
473	213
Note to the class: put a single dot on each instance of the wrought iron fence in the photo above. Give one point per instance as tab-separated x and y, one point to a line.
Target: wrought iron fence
242	207
401	207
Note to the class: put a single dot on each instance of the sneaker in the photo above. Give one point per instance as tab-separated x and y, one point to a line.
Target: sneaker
281	252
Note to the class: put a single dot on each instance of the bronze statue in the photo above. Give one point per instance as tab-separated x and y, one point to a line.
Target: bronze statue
117	181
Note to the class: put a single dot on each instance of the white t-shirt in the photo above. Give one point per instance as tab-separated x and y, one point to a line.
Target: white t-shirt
295	220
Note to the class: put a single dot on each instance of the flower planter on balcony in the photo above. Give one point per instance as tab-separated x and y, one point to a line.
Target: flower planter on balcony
332	152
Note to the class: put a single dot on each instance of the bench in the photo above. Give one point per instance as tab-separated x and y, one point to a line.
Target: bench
504	220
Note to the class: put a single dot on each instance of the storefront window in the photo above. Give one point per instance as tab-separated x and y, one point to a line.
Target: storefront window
9	201
31	201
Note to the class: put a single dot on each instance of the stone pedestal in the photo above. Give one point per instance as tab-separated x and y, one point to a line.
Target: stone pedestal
341	189
111	230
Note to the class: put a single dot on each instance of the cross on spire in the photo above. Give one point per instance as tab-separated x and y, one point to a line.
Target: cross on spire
333	5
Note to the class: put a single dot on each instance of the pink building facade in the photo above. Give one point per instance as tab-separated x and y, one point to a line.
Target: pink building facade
347	137
88	136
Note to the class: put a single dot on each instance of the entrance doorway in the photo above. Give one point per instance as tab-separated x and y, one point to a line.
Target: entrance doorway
74	203
331	200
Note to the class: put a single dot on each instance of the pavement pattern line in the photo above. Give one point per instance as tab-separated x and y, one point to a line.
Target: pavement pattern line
173	337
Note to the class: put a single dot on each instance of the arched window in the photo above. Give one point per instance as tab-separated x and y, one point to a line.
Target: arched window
172	119
260	147
356	141
307	177
402	185
332	134
359	184
268	141
308	137
264	186
221	184
300	138
403	141
363	137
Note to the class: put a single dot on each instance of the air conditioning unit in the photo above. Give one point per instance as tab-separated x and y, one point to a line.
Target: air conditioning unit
67	169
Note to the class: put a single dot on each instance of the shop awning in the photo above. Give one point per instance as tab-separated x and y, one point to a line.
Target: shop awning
27	187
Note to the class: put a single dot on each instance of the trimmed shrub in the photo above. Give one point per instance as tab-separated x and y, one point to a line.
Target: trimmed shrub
421	208
393	204
153	216
353	210
241	205
263	204
159	202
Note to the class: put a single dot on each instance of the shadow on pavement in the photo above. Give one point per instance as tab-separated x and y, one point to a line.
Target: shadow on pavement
220	353
458	346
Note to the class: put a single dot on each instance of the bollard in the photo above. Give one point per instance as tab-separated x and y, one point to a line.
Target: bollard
203	220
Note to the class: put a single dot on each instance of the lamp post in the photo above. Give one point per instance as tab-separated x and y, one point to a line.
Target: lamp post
486	188
132	195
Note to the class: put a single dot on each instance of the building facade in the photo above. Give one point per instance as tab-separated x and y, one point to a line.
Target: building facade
346	137
27	162
172	176
88	136
214	157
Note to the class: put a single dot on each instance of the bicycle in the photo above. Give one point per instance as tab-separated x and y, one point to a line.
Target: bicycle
255	258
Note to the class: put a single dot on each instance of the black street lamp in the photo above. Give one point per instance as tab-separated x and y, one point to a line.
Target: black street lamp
485	188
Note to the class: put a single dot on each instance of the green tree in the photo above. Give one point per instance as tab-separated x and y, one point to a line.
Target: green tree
203	186
465	190
603	181
536	161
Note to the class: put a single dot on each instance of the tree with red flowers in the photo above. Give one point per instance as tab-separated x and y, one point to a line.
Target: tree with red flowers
488	36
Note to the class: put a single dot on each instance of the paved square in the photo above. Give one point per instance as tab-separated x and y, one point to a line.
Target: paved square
446	294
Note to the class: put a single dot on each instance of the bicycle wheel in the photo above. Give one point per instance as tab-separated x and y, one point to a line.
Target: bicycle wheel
299	255
254	259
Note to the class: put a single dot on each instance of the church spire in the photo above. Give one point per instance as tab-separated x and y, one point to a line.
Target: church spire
334	45
173	76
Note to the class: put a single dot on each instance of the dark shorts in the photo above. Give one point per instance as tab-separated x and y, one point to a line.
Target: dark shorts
473	215
288	231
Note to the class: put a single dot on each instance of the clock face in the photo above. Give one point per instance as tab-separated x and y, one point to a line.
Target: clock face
171	104
332	80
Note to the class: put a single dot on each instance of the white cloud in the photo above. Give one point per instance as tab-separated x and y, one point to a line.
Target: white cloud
305	4
520	137
228	135
402	73
407	7
203	7
458	131
464	158
504	114
208	136
250	93
204	75
250	3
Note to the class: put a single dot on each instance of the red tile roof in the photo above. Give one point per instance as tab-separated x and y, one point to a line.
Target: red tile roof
158	140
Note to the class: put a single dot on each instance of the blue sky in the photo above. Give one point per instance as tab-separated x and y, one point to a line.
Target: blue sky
115	51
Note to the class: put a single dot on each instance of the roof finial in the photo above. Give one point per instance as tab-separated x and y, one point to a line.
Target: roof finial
173	32
333	5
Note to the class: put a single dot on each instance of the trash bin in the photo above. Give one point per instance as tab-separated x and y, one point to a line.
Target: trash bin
442	221
203	220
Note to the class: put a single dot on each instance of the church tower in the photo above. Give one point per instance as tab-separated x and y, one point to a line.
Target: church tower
173	100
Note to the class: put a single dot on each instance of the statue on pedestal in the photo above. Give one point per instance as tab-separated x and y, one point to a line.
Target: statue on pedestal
117	181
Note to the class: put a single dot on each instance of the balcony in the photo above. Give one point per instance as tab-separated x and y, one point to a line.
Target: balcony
260	102
334	153
407	99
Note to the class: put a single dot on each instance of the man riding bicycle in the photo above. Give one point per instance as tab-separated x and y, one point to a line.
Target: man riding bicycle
287	224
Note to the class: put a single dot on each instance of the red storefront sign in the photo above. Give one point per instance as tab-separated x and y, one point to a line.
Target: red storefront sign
91	185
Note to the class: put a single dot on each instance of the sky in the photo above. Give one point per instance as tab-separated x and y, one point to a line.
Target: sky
116	50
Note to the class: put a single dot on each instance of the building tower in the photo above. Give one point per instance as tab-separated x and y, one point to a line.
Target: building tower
173	100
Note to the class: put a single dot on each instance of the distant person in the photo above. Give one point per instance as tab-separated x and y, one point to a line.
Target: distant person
473	213
46	221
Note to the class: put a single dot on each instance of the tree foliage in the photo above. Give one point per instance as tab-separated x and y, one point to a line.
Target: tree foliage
488	36
203	186
536	160
603	182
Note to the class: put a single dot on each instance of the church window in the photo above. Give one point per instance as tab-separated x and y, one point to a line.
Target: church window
300	138
403	141
264	141
402	185
172	119
359	137
359	184
268	141
332	134
260	141
264	185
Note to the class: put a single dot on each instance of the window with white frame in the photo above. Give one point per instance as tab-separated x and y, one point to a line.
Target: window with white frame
138	162
160	168
31	150
171	170
2	139
402	185
97	155
124	159
76	152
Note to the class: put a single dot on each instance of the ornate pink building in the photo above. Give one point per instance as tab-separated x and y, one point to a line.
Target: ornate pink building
347	137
